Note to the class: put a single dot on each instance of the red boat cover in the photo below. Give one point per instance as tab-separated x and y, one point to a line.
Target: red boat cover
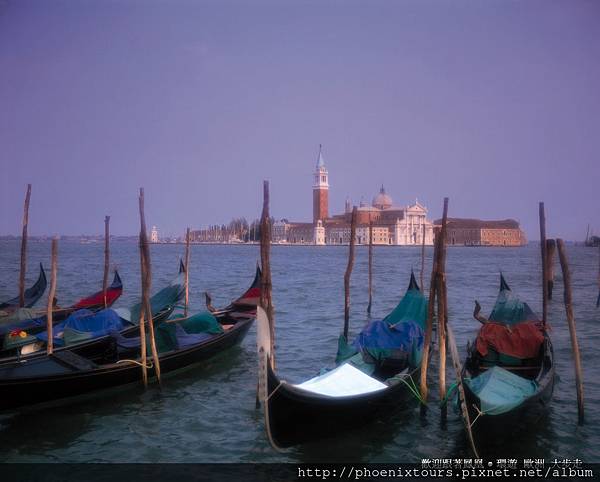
522	340
97	299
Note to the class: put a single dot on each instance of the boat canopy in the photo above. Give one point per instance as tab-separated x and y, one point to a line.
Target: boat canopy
500	391
343	381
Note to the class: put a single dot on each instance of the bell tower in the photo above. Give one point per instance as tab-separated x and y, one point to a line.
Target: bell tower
320	190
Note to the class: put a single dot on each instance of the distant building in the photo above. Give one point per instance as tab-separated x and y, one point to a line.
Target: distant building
475	232
392	225
154	235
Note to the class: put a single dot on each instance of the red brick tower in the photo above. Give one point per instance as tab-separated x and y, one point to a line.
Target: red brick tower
320	190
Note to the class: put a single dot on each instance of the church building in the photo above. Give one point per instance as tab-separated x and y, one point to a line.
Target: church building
392	225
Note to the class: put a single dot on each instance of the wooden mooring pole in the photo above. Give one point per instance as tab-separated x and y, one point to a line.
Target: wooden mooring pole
266	298
598	299
106	257
461	390
564	264
348	273
430	316
51	294
187	272
550	251
24	248
146	271
422	257
370	267
542	215
442	307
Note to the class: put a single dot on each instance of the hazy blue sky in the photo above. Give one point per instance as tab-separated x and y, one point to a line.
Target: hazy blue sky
495	104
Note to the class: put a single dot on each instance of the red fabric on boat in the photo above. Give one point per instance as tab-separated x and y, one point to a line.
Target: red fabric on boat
522	340
250	297
97	299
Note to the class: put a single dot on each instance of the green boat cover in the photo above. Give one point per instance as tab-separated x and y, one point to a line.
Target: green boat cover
500	391
203	322
509	309
162	300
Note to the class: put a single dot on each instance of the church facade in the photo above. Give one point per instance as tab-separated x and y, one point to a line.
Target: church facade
392	225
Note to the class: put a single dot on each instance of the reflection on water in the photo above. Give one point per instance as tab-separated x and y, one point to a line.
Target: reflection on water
207	413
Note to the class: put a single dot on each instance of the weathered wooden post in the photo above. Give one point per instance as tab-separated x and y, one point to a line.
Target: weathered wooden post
572	328
51	293
430	315
266	299
187	272
370	267
442	306
24	248
422	256
146	285
106	257
598	299
461	391
348	273
550	250
544	264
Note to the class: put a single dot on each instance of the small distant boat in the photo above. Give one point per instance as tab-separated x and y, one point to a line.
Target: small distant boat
374	376
68	373
32	295
509	371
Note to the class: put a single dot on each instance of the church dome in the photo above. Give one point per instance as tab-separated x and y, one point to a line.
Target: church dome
382	200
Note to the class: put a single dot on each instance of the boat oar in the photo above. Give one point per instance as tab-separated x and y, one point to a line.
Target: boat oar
461	390
572	329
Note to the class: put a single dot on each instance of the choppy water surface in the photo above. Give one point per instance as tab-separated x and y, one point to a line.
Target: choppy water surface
207	414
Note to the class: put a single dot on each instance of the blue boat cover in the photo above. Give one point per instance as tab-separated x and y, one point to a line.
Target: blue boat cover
381	340
400	335
83	325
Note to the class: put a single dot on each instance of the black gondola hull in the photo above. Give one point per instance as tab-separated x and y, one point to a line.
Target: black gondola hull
17	391
296	416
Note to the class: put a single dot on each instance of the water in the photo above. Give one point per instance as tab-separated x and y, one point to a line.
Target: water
207	413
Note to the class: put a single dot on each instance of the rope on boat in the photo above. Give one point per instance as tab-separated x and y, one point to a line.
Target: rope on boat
281	382
413	389
449	394
135	362
479	413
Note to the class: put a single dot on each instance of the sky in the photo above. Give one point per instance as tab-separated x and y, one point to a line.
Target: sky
494	104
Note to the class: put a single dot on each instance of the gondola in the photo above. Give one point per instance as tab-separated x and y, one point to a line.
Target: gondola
163	304
19	331
508	375
66	374
32	295
372	378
